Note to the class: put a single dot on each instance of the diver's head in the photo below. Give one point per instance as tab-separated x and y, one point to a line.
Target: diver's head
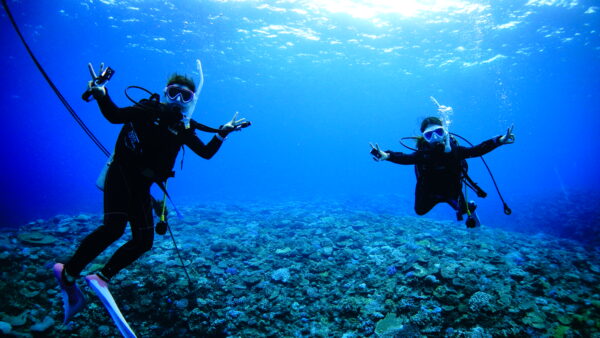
434	131
180	90
180	94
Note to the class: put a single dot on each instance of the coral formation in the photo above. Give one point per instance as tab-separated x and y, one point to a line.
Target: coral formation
303	269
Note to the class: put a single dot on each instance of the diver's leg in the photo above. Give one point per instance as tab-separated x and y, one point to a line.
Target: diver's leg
424	201
142	229
116	196
459	205
473	219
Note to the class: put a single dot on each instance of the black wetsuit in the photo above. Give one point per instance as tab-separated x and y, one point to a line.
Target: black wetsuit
439	174
145	153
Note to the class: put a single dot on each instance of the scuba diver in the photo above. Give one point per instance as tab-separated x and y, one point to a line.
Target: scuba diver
153	132
441	168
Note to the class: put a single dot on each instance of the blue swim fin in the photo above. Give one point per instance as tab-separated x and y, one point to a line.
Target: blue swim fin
73	299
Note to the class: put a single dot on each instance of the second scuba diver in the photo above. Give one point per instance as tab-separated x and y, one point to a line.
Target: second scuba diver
145	153
440	167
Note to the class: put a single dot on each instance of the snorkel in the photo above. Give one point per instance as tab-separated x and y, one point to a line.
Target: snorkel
187	113
437	138
179	101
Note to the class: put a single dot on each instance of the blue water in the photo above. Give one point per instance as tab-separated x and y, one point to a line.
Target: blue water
319	80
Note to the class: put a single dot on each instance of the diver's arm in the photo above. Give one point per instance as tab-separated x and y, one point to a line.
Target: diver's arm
113	113
480	149
402	158
205	151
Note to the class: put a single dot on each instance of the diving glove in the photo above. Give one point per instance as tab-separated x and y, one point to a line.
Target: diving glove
378	154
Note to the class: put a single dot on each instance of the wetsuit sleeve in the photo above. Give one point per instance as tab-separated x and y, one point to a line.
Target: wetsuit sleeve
402	158
115	114
205	151
480	149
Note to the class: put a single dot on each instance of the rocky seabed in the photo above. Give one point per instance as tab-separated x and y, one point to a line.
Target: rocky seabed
301	269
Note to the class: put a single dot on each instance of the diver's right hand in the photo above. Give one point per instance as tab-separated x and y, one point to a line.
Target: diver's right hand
378	154
96	86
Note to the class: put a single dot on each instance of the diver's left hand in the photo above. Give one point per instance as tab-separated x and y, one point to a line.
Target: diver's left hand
509	137
233	125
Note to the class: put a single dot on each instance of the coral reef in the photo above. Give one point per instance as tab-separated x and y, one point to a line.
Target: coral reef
312	270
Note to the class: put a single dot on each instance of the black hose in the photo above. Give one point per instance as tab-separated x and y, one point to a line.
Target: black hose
408	138
137	103
194	124
507	210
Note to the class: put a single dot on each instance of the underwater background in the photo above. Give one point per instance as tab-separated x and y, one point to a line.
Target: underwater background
319	80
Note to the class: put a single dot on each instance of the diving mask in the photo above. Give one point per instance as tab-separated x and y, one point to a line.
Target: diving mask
435	134
175	92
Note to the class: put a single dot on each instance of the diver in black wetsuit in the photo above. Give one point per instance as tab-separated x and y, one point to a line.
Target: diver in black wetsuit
439	166
145	153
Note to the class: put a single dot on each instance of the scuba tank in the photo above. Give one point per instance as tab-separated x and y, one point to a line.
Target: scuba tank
102	177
